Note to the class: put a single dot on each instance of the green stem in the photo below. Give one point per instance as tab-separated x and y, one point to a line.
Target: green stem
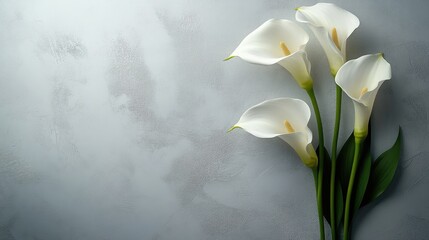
358	146
319	191
319	206
334	162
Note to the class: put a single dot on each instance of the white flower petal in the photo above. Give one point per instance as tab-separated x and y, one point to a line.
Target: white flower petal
299	67
267	120
262	46
336	58
301	143
361	79
296	140
369	72
362	115
322	19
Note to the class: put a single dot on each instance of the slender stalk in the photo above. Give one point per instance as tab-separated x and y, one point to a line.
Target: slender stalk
334	162
319	206
319	191
358	146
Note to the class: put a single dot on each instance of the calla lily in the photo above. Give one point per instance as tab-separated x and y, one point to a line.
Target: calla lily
332	26
278	41
360	79
286	118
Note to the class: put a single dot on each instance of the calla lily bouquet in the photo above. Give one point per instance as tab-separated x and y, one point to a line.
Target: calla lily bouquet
346	180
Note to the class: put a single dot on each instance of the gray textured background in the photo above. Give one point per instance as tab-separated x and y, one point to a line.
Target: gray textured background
113	117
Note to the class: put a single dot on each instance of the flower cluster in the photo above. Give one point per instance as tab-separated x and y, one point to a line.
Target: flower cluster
283	42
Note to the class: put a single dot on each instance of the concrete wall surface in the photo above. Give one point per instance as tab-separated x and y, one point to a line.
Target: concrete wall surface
113	119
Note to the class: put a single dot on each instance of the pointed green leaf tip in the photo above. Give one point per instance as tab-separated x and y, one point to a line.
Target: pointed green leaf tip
383	171
297	9
228	58
232	128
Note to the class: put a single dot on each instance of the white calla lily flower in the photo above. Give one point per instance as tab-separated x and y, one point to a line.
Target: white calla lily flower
332	26
286	118
361	79
278	41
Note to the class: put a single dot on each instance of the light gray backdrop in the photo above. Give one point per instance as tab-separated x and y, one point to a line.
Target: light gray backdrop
113	121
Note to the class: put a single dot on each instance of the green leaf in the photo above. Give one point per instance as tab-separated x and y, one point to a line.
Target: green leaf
345	162
339	202
345	159
383	171
326	192
362	178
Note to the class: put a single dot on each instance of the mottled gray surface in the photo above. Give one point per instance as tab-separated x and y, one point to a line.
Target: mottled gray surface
113	117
